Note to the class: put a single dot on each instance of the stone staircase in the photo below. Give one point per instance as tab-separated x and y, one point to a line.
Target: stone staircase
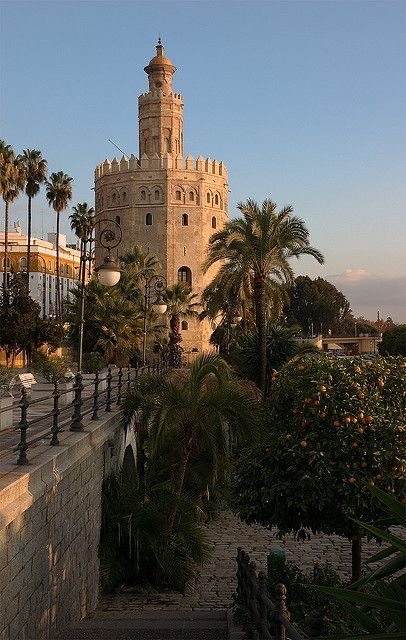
151	625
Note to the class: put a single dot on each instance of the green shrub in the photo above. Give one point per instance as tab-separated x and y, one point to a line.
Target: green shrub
137	547
93	362
52	368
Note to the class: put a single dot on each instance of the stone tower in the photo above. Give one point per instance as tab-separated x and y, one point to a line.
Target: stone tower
167	204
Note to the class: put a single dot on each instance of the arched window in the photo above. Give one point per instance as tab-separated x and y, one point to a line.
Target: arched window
208	198
185	275
23	264
178	195
214	222
148	219
184	325
118	219
67	270
184	251
216	199
185	219
124	196
114	198
156	194
143	194
191	196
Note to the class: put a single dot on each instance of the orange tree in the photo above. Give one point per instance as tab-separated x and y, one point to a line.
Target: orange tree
330	428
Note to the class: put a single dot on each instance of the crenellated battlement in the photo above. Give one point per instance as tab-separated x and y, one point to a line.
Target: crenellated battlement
145	97
166	161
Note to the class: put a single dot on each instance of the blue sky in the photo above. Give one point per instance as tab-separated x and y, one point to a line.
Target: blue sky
305	102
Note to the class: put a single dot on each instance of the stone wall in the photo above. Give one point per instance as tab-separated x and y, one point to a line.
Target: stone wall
50	513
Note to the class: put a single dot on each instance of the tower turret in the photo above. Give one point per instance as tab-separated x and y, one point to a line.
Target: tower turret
160	111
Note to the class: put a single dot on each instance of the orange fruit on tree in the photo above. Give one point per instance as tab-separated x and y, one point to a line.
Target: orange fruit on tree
352	480
303	444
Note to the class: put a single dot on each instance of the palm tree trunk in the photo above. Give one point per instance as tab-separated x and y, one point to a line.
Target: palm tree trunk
5	283
58	282
178	482
260	321
29	244
175	353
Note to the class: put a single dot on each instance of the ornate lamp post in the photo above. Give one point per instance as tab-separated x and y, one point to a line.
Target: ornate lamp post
108	273
157	284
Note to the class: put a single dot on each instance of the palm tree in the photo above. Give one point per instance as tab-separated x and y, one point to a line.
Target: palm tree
59	192
12	178
35	167
181	304
197	410
82	222
261	244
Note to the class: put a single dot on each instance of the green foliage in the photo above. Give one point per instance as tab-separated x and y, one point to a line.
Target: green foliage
52	368
93	362
257	248
21	325
377	601
330	426
304	603
394	341
136	545
281	346
318	303
191	414
6	376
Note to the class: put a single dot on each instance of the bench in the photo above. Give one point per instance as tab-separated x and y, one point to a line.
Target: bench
26	380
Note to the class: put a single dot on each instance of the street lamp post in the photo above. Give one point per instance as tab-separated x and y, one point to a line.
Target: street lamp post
157	284
108	273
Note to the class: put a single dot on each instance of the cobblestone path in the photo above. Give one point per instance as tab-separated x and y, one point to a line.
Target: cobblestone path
217	582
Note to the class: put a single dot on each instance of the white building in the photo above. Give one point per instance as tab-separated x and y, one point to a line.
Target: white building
42	266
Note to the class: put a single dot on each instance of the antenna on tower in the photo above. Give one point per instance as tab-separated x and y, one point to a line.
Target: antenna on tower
117	147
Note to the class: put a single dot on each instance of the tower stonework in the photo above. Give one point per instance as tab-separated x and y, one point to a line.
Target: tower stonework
166	204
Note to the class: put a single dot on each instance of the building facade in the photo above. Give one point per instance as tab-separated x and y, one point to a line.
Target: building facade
42	266
166	204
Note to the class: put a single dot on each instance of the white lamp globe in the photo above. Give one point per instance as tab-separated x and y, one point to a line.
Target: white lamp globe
108	273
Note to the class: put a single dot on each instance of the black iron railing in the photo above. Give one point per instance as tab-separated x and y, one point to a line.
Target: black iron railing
89	398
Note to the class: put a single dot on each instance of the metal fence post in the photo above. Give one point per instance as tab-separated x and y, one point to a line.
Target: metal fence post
55	415
120	385
77	424
23	424
95	414
108	396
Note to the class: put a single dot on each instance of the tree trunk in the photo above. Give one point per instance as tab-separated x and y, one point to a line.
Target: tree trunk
58	310
175	352
29	245
5	283
178	482
260	321
355	556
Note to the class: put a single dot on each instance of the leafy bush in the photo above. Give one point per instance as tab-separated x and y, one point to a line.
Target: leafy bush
377	601
6	376
305	605
93	362
331	425
394	341
136	545
52	368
